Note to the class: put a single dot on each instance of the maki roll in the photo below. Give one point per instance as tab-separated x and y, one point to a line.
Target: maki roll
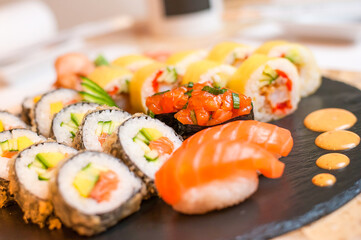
26	108
272	83
50	104
92	191
143	144
9	121
149	80
181	60
208	71
301	57
66	122
11	142
231	53
194	107
97	126
115	81
132	62
30	175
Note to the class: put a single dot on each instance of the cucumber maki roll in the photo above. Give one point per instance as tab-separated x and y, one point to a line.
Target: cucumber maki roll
66	122
11	142
97	126
92	191
195	106
9	121
30	175
143	144
50	104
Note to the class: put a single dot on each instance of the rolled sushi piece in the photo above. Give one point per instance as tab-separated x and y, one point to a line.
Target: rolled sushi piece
301	57
208	71
181	60
92	191
230	53
133	62
9	121
272	83
193	107
11	142
27	107
151	79
66	123
50	104
97	126
143	144
30	175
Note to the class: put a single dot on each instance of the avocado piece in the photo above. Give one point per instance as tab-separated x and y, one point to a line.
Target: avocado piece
24	142
142	145
4	145
294	56
151	156
50	159
77	118
86	179
269	74
40	169
1	126
106	127
151	133
142	138
99	129
55	107
13	145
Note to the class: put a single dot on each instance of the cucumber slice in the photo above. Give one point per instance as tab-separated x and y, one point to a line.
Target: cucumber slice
113	126
142	145
77	118
94	99
151	156
4	145
106	127
151	133
45	176
142	138
94	89
269	74
99	129
50	159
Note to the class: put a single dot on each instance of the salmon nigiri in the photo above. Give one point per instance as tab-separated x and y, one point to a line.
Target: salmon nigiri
214	175
271	137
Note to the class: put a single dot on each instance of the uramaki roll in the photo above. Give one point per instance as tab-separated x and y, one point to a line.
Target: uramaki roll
302	57
151	79
231	53
208	71
133	62
272	83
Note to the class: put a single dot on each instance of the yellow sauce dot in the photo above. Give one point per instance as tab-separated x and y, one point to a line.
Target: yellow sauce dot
324	180
329	119
337	140
333	161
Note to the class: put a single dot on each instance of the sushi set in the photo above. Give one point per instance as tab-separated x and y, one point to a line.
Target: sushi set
181	149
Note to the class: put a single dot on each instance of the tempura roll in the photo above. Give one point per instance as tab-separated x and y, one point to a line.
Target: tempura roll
272	83
301	57
230	53
208	71
143	144
92	191
30	174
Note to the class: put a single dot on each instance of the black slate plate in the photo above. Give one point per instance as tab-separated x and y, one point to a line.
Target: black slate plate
277	207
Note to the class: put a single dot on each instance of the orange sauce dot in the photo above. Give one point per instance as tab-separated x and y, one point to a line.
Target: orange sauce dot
333	161
337	140
324	180
329	119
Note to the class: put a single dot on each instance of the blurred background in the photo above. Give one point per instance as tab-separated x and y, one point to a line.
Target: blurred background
34	32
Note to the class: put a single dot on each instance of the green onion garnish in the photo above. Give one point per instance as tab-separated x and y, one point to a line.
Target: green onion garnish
151	114
100	61
235	98
185	106
214	91
160	93
190	84
189	93
194	117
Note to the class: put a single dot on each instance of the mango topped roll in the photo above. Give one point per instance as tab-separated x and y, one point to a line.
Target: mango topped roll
208	71
301	57
113	79
151	79
231	53
132	62
181	60
272	83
